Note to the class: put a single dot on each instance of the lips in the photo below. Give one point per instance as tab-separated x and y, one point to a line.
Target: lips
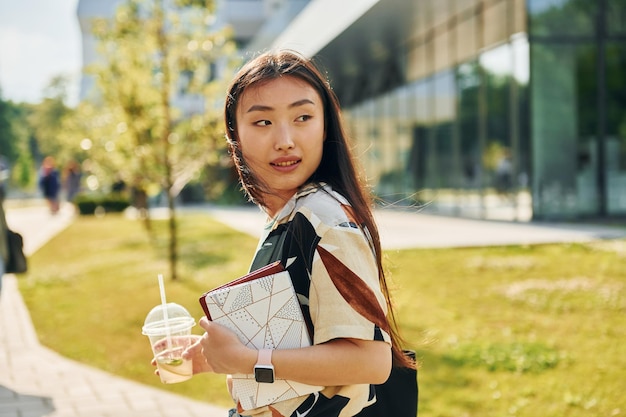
285	162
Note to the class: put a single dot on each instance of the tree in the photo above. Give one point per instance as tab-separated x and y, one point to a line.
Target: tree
157	84
45	119
15	134
8	142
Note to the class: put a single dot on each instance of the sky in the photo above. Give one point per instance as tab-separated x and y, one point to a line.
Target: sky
39	39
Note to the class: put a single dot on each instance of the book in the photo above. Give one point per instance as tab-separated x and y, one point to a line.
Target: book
262	308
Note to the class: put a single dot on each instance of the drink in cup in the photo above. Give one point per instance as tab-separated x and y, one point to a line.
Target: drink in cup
172	367
168	328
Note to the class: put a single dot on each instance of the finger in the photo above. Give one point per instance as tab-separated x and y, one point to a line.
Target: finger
194	338
204	323
192	350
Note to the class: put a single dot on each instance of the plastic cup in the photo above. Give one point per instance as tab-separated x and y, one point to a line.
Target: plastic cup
177	328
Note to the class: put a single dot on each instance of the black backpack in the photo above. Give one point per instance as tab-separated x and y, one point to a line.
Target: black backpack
398	396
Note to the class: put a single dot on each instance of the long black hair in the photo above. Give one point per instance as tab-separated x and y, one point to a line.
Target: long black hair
337	167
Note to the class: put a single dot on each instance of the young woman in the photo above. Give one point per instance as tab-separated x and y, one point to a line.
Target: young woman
286	139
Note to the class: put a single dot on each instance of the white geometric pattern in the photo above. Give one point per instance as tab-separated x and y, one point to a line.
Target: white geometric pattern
265	314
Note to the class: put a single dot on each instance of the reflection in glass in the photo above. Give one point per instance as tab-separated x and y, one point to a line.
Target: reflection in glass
520	129
497	155
421	116
616	17
615	146
444	169
564	126
562	17
468	84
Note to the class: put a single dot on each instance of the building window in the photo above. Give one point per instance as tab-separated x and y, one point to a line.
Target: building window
562	17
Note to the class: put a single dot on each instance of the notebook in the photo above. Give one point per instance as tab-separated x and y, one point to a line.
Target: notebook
262	308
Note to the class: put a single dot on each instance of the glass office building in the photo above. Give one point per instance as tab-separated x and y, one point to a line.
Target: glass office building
494	109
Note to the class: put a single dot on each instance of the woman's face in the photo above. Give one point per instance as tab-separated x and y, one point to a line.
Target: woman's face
280	125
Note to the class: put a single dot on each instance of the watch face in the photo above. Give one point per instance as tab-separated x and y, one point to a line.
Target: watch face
264	374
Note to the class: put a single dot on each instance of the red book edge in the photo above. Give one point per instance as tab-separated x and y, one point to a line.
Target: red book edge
270	269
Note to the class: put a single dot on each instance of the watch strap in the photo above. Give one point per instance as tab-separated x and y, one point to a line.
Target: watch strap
264	357
264	370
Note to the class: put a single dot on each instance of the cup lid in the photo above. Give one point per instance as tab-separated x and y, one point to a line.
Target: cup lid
178	319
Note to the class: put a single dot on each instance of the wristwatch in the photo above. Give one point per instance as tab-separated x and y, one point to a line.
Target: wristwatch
264	370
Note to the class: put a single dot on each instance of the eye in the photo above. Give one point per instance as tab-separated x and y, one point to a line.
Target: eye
262	123
303	118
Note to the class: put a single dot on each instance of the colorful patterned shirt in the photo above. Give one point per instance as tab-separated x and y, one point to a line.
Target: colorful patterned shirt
334	272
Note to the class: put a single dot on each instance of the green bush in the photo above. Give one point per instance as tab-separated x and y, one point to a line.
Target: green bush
88	204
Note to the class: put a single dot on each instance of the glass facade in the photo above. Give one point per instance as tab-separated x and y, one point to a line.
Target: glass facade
578	102
495	109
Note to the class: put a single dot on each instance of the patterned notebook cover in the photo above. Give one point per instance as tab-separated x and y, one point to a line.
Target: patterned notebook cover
263	309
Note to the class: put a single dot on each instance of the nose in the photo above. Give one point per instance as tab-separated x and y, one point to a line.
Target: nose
284	139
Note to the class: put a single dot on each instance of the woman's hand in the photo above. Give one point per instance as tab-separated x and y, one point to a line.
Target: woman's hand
223	351
193	352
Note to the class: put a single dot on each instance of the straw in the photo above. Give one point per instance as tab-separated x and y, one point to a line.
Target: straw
165	316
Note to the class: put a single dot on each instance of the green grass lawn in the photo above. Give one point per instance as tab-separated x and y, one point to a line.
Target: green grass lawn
532	331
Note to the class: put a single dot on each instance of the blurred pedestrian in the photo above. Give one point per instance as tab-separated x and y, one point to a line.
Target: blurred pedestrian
119	185
504	175
50	183
72	179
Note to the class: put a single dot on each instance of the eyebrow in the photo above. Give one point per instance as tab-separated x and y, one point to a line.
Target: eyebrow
260	107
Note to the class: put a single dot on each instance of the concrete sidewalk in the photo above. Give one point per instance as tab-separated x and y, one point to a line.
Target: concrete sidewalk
404	229
37	382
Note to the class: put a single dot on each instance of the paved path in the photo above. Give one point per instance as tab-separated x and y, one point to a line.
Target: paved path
37	382
402	229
